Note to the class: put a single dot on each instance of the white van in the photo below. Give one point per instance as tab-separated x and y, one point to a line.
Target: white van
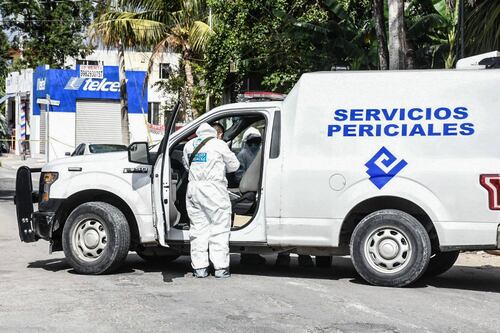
398	169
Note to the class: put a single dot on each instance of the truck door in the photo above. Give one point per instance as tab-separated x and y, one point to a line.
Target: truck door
165	214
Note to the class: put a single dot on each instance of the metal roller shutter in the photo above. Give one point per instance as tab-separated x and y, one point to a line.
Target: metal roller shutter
98	122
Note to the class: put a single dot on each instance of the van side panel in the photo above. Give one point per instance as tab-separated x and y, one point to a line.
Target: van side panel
425	136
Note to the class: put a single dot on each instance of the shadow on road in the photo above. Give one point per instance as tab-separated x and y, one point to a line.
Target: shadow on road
483	278
52	265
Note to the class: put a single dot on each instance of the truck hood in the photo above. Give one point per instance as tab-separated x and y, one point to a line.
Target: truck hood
103	161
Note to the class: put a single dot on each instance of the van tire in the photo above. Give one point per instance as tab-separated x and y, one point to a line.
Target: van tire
390	248
96	238
441	262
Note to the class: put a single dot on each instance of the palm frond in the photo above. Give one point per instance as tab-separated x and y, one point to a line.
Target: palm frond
128	28
483	27
199	35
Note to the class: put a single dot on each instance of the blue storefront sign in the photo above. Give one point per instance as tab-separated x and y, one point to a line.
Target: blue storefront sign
66	86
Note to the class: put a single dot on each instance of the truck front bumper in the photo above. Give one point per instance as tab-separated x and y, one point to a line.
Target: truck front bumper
33	225
43	223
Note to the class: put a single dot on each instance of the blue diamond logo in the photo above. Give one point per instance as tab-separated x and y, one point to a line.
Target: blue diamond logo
383	166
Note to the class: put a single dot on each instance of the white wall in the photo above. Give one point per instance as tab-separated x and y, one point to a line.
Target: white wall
20	83
61	134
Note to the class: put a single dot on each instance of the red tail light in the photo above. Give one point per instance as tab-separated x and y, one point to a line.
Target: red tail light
492	184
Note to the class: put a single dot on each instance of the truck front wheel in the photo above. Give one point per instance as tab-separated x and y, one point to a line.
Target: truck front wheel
390	248
96	238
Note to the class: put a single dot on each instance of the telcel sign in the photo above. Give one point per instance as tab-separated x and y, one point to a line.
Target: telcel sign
104	85
70	85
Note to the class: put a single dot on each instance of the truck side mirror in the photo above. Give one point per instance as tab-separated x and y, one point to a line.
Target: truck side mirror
138	152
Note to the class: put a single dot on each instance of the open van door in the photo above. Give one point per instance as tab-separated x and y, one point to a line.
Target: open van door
164	187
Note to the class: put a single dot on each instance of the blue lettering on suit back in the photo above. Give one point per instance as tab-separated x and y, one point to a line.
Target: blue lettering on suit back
200	157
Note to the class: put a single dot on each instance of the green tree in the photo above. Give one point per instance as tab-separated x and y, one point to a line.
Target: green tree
4	58
47	31
160	25
270	41
274	41
483	26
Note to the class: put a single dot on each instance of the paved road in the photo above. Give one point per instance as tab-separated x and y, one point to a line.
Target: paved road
40	292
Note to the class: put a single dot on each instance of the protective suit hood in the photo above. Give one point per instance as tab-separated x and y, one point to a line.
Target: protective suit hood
206	131
251	132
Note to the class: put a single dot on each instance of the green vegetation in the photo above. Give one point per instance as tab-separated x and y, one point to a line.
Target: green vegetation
47	31
176	25
230	46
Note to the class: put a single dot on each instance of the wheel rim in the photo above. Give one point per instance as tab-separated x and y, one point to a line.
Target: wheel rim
388	250
89	239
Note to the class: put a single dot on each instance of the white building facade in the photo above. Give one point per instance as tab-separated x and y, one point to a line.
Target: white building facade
57	109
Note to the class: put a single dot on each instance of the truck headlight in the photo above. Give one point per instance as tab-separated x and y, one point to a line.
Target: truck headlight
47	179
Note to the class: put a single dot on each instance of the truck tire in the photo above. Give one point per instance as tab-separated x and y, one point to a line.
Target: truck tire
390	248
96	238
441	262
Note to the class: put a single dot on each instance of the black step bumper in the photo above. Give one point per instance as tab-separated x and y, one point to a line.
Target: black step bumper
32	225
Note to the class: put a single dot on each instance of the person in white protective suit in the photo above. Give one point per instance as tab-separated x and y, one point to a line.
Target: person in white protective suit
207	201
251	145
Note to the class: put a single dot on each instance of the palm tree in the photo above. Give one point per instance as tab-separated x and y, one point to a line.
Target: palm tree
483	26
379	25
112	37
178	25
397	36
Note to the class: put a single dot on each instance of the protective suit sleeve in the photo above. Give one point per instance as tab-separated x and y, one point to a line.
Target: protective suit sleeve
229	158
185	157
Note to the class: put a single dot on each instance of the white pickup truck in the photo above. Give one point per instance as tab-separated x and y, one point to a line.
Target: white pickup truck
398	169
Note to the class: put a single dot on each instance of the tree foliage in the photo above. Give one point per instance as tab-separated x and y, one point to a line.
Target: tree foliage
275	41
47	31
483	26
178	26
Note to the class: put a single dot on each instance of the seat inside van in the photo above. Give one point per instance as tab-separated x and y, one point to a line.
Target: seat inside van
244	198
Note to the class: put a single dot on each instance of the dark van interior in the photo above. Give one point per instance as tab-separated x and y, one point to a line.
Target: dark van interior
243	190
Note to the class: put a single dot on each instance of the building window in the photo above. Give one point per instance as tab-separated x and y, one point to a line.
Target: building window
154	113
165	70
87	62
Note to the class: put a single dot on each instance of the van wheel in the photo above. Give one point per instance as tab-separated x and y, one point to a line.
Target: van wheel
441	262
96	238
390	248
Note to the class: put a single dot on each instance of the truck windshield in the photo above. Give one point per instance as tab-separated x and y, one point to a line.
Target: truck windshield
106	148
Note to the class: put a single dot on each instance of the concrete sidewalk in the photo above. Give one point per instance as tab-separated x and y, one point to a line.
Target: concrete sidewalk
13	162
